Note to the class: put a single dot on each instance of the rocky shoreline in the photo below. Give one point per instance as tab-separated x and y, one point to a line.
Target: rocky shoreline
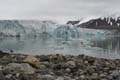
57	67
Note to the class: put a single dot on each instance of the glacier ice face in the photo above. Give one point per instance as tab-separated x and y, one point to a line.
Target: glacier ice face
11	28
36	28
66	32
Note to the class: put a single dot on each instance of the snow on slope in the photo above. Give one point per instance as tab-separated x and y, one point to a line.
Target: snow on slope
86	19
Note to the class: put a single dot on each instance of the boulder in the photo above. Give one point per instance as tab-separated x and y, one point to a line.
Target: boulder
2	77
46	77
57	58
70	64
18	68
60	78
32	61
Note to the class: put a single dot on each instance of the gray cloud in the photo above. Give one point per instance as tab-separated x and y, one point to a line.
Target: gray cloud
60	10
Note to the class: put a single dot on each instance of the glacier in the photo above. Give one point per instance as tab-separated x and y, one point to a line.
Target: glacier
37	28
49	29
35	36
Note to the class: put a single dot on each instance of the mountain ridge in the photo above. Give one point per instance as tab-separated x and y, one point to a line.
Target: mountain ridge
99	23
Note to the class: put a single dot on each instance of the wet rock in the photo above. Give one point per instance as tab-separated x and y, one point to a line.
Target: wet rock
11	51
58	66
2	54
80	56
2	77
43	57
91	61
56	58
18	68
32	61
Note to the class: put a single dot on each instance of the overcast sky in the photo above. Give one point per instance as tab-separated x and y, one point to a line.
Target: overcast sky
60	10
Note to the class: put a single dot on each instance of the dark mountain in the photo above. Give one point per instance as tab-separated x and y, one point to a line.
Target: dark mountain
102	23
98	23
73	22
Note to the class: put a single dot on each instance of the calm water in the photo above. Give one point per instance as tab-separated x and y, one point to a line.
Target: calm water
109	47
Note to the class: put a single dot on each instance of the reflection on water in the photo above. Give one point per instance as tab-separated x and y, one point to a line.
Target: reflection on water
106	48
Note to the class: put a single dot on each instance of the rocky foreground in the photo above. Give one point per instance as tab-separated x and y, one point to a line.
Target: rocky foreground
57	67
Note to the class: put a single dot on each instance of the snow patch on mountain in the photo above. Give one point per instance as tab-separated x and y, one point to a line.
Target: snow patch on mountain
86	19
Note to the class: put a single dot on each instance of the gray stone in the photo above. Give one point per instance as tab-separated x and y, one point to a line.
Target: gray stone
33	61
70	64
42	66
68	70
115	74
8	76
17	68
1	67
82	77
60	78
2	77
47	77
